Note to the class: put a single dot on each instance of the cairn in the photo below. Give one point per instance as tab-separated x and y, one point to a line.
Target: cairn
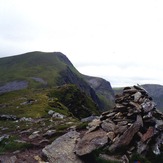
134	125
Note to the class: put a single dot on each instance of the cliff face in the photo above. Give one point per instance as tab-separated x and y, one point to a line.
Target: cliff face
103	89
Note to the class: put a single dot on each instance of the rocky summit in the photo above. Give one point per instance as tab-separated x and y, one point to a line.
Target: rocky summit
131	131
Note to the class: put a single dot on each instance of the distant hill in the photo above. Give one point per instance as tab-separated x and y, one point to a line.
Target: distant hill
154	90
47	70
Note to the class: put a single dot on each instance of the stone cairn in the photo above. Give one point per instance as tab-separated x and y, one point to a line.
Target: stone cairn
134	125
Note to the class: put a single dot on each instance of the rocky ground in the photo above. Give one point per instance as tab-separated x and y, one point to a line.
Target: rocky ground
23	143
131	131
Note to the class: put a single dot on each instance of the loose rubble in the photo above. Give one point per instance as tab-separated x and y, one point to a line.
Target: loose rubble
134	125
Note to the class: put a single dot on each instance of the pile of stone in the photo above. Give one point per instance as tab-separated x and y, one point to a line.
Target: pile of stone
134	125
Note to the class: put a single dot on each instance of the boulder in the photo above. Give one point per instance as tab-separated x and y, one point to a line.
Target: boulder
91	141
10	159
62	149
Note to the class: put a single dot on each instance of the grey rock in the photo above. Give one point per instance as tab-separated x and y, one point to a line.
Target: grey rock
8	117
122	123
159	125
12	86
120	129
6	159
106	126
58	115
91	141
50	112
141	147
111	135
89	119
127	136
49	133
4	137
148	105
93	125
137	96
34	135
156	146
28	102
26	119
62	149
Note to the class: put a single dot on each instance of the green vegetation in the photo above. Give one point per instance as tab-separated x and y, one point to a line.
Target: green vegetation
35	103
44	70
78	103
25	103
46	66
11	144
106	102
81	126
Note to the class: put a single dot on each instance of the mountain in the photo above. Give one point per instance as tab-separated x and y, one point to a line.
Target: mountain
47	105
103	89
42	96
46	70
154	90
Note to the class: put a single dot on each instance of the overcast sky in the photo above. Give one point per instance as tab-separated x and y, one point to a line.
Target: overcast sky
118	40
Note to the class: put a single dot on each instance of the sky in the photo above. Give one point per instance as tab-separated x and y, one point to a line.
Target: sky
118	40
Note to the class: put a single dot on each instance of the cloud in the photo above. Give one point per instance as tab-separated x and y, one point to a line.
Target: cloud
122	76
118	40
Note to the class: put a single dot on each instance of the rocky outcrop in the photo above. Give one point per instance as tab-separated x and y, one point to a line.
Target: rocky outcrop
13	86
8	117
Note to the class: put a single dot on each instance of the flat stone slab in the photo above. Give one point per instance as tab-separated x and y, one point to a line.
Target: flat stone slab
90	142
62	149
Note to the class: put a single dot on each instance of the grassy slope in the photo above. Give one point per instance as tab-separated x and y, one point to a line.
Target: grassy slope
78	103
16	103
34	103
35	64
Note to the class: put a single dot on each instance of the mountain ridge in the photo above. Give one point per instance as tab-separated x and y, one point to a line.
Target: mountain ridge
41	70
